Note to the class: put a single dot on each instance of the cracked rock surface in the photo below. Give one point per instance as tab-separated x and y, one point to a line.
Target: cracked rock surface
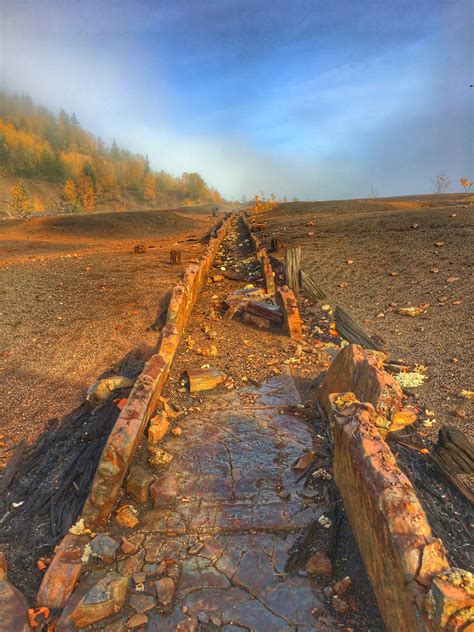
236	515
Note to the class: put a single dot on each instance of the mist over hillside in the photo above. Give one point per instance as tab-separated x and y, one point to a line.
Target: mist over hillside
84	173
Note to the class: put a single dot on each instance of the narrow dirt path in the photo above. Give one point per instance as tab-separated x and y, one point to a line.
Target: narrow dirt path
211	546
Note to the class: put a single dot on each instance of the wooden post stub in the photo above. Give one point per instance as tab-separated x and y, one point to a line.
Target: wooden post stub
292	268
175	257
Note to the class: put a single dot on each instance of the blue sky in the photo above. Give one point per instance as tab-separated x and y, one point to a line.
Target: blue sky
313	99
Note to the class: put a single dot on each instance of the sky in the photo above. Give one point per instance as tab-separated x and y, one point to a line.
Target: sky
310	99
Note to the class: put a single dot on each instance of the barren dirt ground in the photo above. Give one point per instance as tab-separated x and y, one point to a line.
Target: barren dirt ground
231	508
399	235
76	299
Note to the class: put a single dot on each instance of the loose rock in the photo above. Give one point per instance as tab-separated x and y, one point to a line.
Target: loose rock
105	598
142	603
164	490
339	605
157	456
204	379
138	483
158	427
127	516
165	590
319	564
137	620
342	586
105	547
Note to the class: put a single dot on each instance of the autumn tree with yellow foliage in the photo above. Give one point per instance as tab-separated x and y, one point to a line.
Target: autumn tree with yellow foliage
69	196
465	183
38	206
149	187
262	204
86	193
35	143
20	202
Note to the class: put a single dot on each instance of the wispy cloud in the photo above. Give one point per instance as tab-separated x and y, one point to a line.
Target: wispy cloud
313	100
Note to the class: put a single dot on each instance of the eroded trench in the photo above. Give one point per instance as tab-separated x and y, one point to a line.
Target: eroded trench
243	499
246	503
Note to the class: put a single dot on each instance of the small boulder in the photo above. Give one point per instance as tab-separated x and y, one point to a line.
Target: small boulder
127	516
105	547
138	483
142	603
165	588
13	604
105	598
164	490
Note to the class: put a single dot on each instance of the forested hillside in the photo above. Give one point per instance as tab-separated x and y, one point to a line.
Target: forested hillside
35	144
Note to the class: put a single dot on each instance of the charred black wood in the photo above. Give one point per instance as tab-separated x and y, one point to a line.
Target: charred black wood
326	537
450	513
456	448
48	490
453	459
299	551
9	471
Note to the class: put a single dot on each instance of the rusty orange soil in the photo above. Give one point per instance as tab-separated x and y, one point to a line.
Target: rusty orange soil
76	300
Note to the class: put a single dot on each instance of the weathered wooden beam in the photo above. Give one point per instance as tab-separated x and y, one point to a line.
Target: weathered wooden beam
310	288
266	310
352	332
443	469
256	321
175	257
276	244
291	314
292	268
452	456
